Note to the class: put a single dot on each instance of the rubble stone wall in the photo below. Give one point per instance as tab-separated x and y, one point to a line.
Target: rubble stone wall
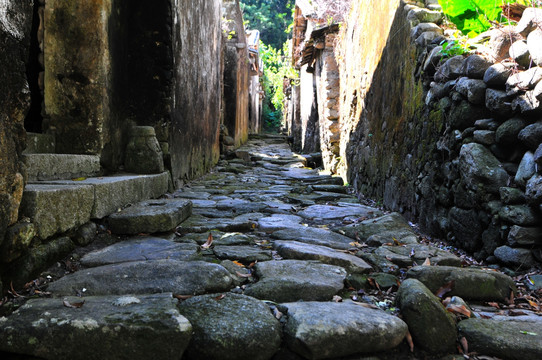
453	143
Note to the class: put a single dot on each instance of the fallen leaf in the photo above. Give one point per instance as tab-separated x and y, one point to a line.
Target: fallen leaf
370	306
396	242
220	297
252	264
464	345
459	309
79	179
277	313
13	292
510	300
409	341
529	333
427	262
494	304
516	313
208	243
238	263
445	289
446	301
243	275
73	305
337	299
182	297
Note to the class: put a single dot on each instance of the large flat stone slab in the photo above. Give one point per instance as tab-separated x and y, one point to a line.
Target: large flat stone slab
331	212
57	208
146	277
324	330
104	327
245	254
201	224
61	166
277	222
407	255
317	236
302	251
506	338
470	283
140	249
293	280
391	225
231	327
114	192
150	216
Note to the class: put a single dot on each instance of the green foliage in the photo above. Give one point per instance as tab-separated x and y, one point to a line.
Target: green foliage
276	68
458	44
473	17
271	18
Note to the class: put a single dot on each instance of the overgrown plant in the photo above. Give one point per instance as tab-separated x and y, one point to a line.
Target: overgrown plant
473	17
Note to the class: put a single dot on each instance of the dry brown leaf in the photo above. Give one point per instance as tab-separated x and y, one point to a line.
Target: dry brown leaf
494	304
445	289
252	264
73	305
243	275
277	313
510	300
516	313
337	299
427	262
220	297
209	241
459	309
182	297
409	341
367	305
238	263
464	345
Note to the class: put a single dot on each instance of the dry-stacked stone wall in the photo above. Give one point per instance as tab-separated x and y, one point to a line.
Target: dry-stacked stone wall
461	152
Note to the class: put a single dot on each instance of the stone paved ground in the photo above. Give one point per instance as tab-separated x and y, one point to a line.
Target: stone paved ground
273	262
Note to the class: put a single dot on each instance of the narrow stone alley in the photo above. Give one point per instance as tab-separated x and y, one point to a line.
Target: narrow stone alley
265	258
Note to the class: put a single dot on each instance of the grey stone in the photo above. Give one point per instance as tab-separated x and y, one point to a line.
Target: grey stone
526	169
393	225
474	90
497	74
484	137
103	327
380	263
233	327
407	255
140	249
478	165
531	135
150	216
533	191
114	192
202	224
431	326
524	80
55	209
463	115
428	37
511	196
382	281
524	236
146	277
143	152
423	27
451	69
61	166
519	51
315	236
302	251
487	124
85	234
526	103
39	143
246	254
499	102
240	206
538	156
470	283
475	66
507	133
516	257
330	212
278	222
466	228
534	39
328	330
530	20
519	215
500	42
510	339
433	59
294	280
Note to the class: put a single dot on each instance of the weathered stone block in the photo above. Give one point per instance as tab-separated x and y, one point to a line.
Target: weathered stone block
478	165
61	166
55	209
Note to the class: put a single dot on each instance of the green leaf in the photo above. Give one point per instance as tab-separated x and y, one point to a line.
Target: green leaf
529	333
473	16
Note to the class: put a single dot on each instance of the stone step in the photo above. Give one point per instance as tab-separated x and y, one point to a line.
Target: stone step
61	166
39	143
58	206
